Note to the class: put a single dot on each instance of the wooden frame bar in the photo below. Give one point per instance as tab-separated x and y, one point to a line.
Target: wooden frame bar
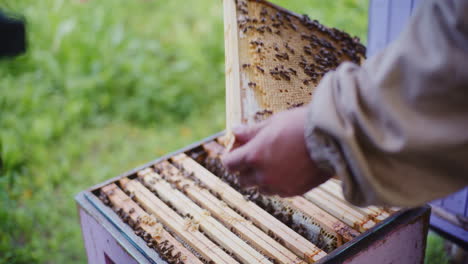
120	200
232	66
332	205
98	221
265	221
328	222
333	188
176	223
212	228
246	229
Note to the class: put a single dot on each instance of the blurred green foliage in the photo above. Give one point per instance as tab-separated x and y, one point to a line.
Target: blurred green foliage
106	86
435	253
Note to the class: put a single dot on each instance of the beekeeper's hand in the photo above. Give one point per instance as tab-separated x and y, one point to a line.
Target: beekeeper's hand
273	156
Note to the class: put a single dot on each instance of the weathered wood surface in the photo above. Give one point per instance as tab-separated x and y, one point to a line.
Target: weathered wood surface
232	66
146	222
219	209
260	217
210	226
331	226
332	187
164	214
335	207
343	232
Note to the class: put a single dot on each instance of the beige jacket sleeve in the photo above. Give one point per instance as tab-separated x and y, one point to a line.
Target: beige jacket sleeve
396	129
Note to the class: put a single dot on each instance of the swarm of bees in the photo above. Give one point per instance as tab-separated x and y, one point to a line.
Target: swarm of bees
288	54
164	248
215	165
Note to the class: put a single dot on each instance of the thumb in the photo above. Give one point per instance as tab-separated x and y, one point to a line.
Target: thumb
237	160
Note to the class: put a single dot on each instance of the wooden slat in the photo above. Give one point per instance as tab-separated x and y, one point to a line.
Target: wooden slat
332	205
332	208
331	224
232	65
346	208
212	228
391	209
173	221
372	212
229	217
377	210
293	241
120	200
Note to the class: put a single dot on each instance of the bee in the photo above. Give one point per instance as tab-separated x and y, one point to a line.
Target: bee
282	56
286	45
275	47
285	76
293	71
260	69
293	26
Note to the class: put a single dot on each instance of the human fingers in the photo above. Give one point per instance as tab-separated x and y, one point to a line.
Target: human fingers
237	159
247	178
244	134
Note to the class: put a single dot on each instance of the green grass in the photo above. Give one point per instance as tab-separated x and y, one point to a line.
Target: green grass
106	86
435	253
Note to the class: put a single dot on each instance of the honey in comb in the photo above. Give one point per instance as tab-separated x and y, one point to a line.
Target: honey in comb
282	57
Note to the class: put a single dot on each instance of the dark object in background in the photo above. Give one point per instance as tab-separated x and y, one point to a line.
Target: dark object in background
12	36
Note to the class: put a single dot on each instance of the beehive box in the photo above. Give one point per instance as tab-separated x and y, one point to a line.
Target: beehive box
186	208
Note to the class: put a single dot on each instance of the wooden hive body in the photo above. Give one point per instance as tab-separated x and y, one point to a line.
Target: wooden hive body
275	58
186	208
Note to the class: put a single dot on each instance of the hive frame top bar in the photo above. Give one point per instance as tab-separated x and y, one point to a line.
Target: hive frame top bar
135	246
129	241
